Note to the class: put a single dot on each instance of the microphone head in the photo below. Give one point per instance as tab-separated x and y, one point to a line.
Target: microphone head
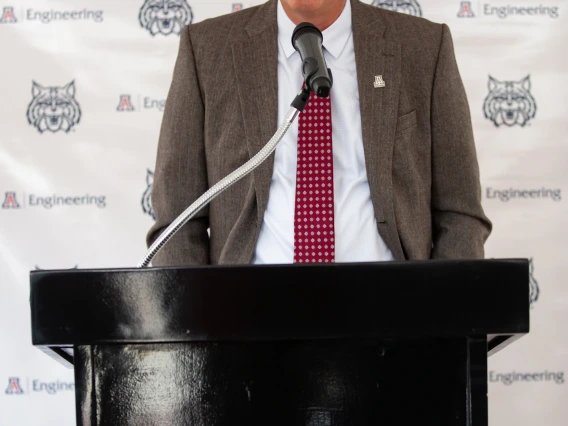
307	40
305	28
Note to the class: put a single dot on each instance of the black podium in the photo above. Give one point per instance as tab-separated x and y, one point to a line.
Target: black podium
372	344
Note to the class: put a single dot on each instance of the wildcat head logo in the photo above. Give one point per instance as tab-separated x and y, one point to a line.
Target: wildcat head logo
509	102
465	10
165	16
8	16
534	288
14	387
410	7
237	7
53	108
147	196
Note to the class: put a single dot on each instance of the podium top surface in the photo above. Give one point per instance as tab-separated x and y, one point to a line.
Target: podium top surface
282	302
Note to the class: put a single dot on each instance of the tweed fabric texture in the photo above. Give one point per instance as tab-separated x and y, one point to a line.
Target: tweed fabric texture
417	137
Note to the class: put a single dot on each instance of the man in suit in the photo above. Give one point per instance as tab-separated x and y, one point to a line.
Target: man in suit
405	173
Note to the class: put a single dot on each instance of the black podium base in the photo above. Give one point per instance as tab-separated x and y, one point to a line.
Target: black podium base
437	382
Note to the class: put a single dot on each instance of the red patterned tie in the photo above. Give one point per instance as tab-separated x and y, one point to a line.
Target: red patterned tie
314	236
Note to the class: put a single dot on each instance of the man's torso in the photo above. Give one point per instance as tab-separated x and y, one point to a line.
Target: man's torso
236	58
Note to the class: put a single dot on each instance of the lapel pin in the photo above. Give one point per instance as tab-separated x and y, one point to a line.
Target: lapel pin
379	82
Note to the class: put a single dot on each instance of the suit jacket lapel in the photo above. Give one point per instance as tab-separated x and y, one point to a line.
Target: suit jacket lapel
255	59
376	55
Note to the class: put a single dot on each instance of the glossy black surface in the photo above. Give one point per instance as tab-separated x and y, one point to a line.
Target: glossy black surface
389	344
426	382
441	298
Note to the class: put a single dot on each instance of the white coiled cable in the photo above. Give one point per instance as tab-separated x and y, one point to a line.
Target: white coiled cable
219	187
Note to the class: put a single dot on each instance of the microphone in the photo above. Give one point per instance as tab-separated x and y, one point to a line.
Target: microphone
308	40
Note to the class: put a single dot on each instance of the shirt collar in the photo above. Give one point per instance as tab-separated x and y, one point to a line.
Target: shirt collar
334	37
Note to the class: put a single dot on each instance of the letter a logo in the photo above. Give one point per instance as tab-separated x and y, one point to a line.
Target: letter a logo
465	10
10	201
379	82
8	16
125	104
14	387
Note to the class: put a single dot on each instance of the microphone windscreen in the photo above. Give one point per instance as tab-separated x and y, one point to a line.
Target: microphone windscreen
305	28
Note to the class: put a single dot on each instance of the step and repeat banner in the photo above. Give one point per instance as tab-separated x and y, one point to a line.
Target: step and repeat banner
83	87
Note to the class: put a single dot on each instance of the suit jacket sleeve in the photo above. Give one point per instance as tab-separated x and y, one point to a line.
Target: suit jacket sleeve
180	176
460	227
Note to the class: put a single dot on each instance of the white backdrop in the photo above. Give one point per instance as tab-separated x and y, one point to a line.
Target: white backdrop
84	84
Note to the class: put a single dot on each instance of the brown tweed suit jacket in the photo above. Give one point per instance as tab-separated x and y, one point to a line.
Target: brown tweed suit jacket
417	136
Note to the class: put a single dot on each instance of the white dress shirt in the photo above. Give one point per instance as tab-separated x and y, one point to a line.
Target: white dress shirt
356	236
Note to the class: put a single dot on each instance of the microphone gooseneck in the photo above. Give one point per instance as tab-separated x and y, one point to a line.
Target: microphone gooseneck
307	39
297	106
